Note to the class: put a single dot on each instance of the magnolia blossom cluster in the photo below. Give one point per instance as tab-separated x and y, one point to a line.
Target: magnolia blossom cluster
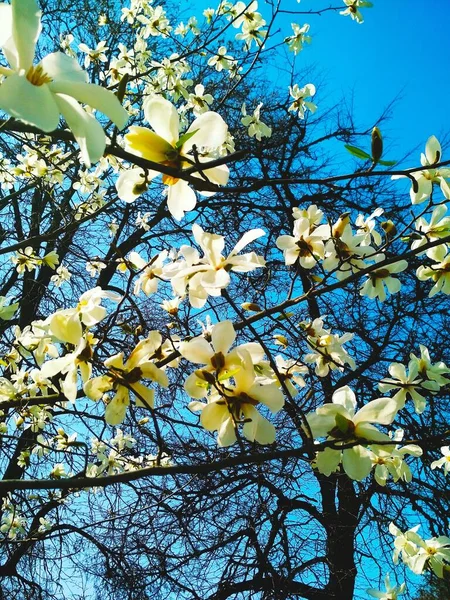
193	275
423	378
163	145
419	554
39	94
227	380
337	249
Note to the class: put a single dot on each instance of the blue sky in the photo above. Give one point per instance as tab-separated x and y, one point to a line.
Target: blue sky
402	48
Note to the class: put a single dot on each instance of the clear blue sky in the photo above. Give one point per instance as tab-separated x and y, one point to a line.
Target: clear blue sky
403	47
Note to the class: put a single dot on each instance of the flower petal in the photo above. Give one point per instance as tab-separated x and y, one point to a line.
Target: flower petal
356	462
381	411
5	23
163	118
96	97
61	67
212	132
223	336
180	199
143	142
33	104
26	27
86	129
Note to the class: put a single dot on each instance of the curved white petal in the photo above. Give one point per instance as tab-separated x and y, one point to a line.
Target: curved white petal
130	185
345	396
213	416
26	29
163	118
356	462
258	428
61	67
381	411
197	351
246	239
433	151
86	129
180	199
211	244
211	131
223	336
96	97
328	460
33	104
5	23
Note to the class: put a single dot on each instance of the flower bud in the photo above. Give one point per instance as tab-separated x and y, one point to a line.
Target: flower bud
377	145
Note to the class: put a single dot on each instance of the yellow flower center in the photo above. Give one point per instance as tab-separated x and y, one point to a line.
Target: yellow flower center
169	180
37	76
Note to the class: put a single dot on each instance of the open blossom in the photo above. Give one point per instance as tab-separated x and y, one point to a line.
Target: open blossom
125	378
418	553
300	103
408	384
164	145
150	271
392	591
295	42
422	188
256	128
390	462
39	94
344	252
439	272
444	462
67	324
215	357
437	228
328	351
338	422
208	275
221	60
381	279
306	244
366	226
234	401
353	9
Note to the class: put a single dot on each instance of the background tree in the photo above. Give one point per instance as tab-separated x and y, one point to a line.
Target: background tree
101	497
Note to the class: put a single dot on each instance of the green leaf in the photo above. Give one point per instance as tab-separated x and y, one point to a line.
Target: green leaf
185	137
387	163
358	152
7	312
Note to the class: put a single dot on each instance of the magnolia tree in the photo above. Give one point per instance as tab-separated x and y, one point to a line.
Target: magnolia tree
223	354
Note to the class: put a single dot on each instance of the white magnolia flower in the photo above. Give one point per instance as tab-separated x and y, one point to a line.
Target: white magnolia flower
306	244
437	228
366	226
256	128
164	145
300	104
295	42
221	60
392	591
439	272
338	422
66	324
379	279
353	9
208	275
124	378
408	384
444	462
39	94
424	180
216	357
234	402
